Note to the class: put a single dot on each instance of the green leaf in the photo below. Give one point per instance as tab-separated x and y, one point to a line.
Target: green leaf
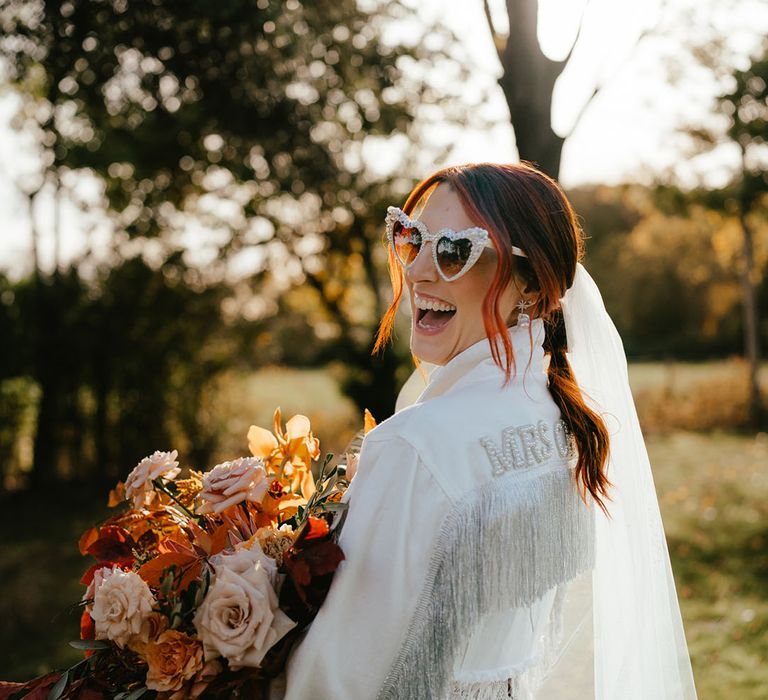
329	487
131	695
166	583
334	507
58	689
326	462
205	583
89	644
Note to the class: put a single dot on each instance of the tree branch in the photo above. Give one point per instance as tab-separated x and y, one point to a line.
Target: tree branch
498	40
370	271
584	109
602	84
562	64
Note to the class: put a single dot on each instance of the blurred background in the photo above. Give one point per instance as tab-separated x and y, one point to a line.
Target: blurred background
192	198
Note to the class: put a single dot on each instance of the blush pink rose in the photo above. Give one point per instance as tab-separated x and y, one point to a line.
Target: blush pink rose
240	618
138	485
229	483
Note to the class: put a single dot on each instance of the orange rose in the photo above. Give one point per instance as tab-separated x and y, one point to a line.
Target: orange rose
173	659
151	628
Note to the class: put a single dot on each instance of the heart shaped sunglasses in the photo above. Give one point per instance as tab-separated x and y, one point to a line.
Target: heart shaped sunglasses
453	252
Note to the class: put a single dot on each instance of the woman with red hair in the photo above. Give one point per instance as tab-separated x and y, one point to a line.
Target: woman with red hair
503	537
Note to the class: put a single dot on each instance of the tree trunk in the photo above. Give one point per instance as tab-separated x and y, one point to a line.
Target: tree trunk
527	81
45	448
371	381
751	336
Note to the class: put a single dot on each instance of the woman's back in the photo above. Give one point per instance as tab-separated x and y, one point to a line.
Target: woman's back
464	519
475	569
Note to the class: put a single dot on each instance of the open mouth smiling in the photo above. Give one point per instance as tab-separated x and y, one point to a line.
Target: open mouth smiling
432	314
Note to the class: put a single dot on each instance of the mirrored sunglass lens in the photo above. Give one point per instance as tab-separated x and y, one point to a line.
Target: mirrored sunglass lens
407	243
452	256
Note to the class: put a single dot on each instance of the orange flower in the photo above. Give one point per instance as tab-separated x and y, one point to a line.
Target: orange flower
203	679
369	422
274	542
173	659
116	495
152	627
288	453
279	500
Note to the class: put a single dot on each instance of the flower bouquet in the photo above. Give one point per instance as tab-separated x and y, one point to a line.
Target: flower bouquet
202	584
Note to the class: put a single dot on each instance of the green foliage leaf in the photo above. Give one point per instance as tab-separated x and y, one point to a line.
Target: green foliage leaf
334	507
132	695
57	690
89	644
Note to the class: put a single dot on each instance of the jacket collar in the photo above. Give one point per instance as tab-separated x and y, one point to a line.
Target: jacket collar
476	361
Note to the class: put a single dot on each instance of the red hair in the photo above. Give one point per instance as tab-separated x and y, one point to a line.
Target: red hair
519	205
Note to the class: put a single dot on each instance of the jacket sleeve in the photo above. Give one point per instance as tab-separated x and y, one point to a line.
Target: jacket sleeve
396	508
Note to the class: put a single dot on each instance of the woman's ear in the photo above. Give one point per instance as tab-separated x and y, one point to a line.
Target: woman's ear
526	286
531	285
525	280
531	288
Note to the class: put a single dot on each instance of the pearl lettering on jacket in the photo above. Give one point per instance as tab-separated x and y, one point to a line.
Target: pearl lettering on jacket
524	446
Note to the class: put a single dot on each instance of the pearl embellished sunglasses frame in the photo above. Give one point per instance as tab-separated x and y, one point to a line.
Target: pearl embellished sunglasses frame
453	252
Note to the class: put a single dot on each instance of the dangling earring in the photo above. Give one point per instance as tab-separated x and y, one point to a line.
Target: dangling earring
523	319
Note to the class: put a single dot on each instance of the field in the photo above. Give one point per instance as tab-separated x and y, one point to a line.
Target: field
713	490
712	482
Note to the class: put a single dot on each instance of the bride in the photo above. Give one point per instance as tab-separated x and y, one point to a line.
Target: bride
503	537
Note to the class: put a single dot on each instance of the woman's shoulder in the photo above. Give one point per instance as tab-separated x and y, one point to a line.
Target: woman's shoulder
478	432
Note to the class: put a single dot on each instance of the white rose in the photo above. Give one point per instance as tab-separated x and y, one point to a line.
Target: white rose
233	482
240	618
122	602
138	485
98	578
245	558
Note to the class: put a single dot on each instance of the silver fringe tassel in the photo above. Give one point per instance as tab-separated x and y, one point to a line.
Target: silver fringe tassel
520	683
504	545
487	690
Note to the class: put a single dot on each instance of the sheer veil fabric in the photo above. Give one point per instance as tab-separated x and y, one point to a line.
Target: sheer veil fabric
621	632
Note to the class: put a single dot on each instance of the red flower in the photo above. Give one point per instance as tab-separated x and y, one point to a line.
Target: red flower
87	629
87	626
111	545
309	564
36	689
316	528
276	489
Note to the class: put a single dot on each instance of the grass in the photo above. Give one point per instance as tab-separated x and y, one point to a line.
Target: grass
246	400
692	396
713	492
40	570
712	487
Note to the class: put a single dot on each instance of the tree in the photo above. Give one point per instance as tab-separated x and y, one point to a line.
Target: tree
747	108
742	106
528	80
251	119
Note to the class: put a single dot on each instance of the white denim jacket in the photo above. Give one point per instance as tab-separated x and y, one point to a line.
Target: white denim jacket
464	527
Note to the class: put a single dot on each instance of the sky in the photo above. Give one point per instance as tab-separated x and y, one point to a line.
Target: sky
629	132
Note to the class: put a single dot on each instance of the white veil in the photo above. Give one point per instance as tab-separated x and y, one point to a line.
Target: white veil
622	634
639	646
